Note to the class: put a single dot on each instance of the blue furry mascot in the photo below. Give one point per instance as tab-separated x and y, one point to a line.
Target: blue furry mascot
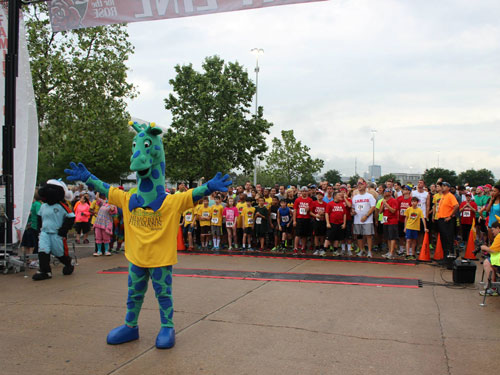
151	220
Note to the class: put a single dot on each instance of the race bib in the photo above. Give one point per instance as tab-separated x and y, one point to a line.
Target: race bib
229	224
302	211
384	219
189	217
215	220
466	213
285	219
273	215
360	207
258	220
249	221
402	212
205	214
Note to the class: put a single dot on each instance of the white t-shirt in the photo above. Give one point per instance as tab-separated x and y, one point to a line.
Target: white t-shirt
362	203
422	200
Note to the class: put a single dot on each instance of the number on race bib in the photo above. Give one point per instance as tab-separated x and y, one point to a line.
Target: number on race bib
215	220
360	207
285	219
205	214
189	217
466	213
273	215
302	211
258	220
384	219
229	224
402	212
249	221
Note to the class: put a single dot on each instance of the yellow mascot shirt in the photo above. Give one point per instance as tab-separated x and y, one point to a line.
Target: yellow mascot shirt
151	237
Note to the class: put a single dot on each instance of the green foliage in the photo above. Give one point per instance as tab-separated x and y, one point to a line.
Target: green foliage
289	161
476	177
79	79
432	175
354	180
385	178
212	128
332	176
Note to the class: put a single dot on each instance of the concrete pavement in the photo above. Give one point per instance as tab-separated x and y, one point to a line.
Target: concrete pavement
224	326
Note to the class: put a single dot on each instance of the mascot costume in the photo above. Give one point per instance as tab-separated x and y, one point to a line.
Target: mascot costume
151	219
55	218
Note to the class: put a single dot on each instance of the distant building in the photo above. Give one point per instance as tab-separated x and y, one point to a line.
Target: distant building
408	177
374	171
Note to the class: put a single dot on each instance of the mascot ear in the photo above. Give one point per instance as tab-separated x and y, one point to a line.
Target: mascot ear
153	129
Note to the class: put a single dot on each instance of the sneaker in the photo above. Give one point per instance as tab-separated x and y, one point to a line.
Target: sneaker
230	248
295	252
322	253
387	256
107	253
370	254
410	257
33	264
335	254
360	253
86	241
489	292
96	254
349	253
303	252
401	252
316	252
44	276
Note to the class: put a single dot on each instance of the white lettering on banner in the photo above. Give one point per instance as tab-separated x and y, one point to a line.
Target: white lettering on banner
211	5
148	12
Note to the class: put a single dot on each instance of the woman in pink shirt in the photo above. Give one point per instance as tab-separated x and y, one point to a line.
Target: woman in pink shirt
82	219
230	213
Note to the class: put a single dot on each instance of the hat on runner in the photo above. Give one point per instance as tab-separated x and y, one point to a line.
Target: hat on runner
488	186
313	186
468	194
480	188
446	184
407	187
388	190
343	187
304	188
320	192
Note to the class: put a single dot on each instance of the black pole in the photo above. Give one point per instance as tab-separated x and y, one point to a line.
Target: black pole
9	128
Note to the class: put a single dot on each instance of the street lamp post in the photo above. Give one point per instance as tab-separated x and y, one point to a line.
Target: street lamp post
256	52
373	131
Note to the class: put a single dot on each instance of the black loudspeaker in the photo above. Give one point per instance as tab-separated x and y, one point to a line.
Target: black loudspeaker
464	271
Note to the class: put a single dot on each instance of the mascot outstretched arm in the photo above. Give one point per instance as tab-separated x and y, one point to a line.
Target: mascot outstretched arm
151	220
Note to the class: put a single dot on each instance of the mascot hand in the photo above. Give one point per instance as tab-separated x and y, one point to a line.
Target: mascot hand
219	183
77	172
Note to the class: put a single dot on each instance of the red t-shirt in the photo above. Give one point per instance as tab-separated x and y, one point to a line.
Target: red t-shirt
403	205
302	207
467	216
335	212
318	207
389	217
347	209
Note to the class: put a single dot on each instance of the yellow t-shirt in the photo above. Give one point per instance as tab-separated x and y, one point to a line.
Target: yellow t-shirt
414	215
239	221
188	216
268	201
94	207
248	216
217	215
151	237
205	213
435	200
495	257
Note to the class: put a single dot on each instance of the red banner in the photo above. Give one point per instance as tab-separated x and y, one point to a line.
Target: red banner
75	14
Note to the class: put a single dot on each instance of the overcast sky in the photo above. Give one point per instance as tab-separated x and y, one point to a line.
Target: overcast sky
424	73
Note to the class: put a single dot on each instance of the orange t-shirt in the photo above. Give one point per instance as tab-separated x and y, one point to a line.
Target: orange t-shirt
446	206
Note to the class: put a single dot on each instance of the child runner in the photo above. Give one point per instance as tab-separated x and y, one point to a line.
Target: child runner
230	214
413	216
274	221
336	220
318	209
284	223
239	222
261	219
104	228
248	222
204	215
404	202
188	226
216	214
390	220
493	259
468	209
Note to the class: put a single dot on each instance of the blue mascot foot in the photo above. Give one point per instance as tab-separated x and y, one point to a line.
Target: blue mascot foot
166	338
122	334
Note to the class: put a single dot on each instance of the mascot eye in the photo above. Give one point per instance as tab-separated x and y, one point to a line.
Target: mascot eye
134	144
147	144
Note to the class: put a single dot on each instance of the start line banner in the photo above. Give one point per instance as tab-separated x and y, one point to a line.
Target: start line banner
76	14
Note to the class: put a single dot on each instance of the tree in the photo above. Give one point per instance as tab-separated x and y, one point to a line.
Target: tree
289	160
212	129
353	180
432	175
476	177
332	176
80	84
386	177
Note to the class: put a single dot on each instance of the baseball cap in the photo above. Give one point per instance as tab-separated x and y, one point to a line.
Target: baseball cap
488	186
343	187
407	187
468	194
304	188
388	190
320	192
446	184
313	186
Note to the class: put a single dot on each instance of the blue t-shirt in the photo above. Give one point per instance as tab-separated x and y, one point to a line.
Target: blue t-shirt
285	216
327	200
495	210
53	217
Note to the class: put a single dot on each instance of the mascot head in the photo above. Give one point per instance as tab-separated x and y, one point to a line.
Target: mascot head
55	191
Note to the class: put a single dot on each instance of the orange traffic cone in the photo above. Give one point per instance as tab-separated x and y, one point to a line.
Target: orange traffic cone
180	240
469	251
438	254
425	252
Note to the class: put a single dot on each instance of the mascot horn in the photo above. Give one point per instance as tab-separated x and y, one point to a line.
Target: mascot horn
151	220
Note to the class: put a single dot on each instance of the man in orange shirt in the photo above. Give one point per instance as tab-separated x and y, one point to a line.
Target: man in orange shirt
446	215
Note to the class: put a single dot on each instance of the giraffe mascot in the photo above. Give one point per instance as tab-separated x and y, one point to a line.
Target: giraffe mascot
151	220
